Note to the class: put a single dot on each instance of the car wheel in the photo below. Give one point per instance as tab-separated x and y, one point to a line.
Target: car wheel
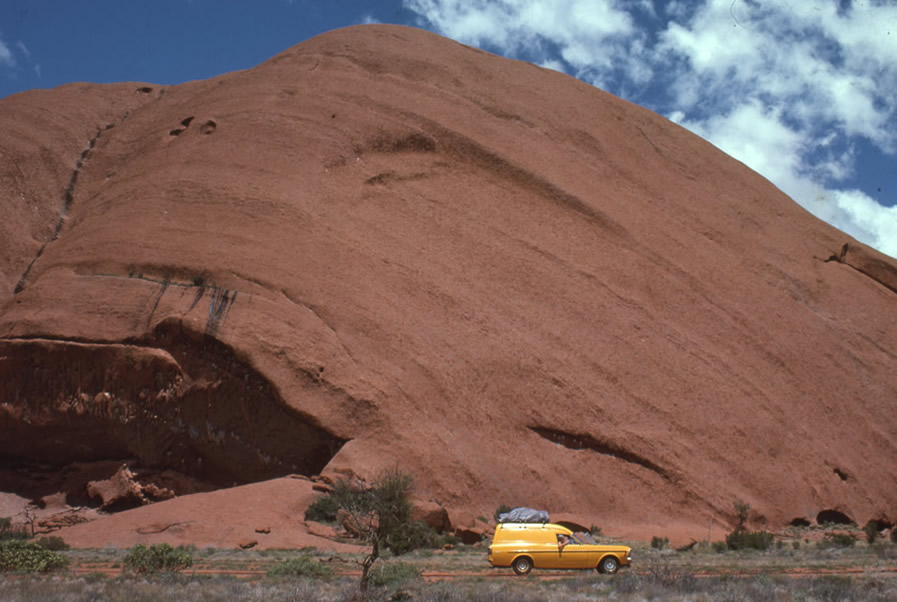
523	565
608	565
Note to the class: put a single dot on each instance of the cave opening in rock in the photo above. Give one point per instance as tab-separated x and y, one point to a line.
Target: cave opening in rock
799	522
180	410
833	517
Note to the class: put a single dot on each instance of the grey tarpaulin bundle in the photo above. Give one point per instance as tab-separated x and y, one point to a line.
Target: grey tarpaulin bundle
524	515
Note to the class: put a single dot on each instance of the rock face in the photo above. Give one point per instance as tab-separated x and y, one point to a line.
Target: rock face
382	248
124	491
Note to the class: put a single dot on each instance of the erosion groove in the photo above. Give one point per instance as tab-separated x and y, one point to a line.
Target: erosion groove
67	200
176	400
582	441
465	149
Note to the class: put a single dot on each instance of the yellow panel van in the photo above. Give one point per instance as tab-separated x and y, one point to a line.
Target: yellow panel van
523	546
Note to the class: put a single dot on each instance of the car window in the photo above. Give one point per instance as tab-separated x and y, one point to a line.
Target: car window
585	538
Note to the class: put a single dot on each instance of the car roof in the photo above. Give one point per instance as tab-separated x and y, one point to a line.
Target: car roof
547	526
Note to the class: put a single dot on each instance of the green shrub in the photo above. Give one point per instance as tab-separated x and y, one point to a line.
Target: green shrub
742	511
301	566
441	540
157	558
503	509
390	573
719	546
871	530
659	543
838	540
416	534
53	542
742	540
28	557
9	531
893	534
323	509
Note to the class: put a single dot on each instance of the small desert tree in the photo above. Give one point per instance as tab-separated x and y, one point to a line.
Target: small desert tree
380	514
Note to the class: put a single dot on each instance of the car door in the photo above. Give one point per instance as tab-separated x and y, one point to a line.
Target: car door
571	556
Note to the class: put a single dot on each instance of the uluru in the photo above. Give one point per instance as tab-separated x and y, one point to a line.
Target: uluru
384	249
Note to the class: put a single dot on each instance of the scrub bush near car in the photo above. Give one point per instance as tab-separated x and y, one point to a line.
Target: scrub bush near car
157	558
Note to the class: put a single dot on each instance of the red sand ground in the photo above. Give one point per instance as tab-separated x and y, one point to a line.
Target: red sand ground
382	248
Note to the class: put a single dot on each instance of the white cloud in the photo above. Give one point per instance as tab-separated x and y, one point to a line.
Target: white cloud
582	33
757	136
6	57
856	213
788	88
553	64
816	83
23	49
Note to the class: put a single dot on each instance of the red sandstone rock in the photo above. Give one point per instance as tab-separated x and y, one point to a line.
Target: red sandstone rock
320	530
382	248
123	490
470	535
432	514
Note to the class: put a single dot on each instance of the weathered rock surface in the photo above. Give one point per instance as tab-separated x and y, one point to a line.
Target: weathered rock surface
227	518
381	248
124	491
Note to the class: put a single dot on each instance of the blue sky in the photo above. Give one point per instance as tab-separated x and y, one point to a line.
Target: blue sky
801	91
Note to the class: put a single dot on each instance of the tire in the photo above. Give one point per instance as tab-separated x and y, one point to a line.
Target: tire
608	565
522	565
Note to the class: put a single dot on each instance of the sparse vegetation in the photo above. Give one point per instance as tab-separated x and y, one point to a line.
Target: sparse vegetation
301	566
158	558
659	543
21	556
9	531
53	542
323	509
742	539
838	540
742	512
392	573
380	515
871	531
657	574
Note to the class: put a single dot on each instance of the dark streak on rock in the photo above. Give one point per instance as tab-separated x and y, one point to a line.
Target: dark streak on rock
149	319
68	199
219	307
582	441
